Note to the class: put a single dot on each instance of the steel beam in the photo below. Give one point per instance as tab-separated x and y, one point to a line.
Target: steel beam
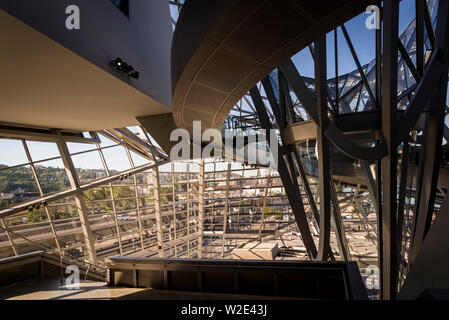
339	226
41	193
324	249
419	9
294	196
114	213
139	214
264	204
15	131
157	209
114	210
429	25
432	138
402	191
306	185
389	163
79	201
226	209
405	56
332	132
371	184
269	91
175	227
359	66
201	187
284	91
8	235
337	91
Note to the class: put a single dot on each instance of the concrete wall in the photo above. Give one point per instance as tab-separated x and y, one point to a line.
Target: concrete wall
142	40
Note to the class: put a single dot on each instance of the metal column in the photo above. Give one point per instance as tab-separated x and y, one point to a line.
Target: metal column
226	209
389	163
294	196
79	201
324	249
157	209
201	209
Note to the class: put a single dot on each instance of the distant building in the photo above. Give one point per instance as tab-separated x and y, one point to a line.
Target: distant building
6	196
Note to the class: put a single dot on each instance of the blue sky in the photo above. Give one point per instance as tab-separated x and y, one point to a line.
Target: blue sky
362	39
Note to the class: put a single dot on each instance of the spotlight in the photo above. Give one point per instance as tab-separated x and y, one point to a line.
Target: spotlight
122	66
117	62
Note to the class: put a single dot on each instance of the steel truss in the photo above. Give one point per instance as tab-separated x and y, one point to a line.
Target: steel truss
410	98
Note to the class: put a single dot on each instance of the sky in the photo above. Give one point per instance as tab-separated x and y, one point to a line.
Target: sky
13	153
362	38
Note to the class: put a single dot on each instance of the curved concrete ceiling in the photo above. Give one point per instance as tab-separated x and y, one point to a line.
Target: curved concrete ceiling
44	84
221	49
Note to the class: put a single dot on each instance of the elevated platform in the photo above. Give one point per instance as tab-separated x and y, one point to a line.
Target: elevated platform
289	279
41	265
39	276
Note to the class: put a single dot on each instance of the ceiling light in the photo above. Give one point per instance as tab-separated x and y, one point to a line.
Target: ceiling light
122	66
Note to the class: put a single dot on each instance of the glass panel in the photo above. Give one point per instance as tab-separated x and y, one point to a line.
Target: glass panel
47	244
123	192
116	159
138	160
37	216
80	147
73	244
12	153
42	150
63	216
89	166
97	194
145	178
17	185
209	167
52	176
106	142
88	161
108	234
165	168
17	219
133	129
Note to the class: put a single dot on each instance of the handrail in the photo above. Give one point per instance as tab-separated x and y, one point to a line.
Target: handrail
60	253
